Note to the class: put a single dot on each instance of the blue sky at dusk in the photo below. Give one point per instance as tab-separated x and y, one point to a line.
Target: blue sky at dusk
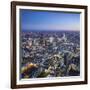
44	20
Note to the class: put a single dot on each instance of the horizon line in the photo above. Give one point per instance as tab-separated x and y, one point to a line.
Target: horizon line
50	30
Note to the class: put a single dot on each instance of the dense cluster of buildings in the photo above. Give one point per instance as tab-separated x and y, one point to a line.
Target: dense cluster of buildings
50	54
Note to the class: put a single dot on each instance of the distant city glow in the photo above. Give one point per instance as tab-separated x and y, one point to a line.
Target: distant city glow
33	20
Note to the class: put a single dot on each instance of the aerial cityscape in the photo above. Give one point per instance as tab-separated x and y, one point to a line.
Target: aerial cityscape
49	44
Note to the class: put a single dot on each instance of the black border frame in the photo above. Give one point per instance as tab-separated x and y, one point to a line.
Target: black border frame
13	44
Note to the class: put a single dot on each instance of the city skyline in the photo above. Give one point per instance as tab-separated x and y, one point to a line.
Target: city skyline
49	21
